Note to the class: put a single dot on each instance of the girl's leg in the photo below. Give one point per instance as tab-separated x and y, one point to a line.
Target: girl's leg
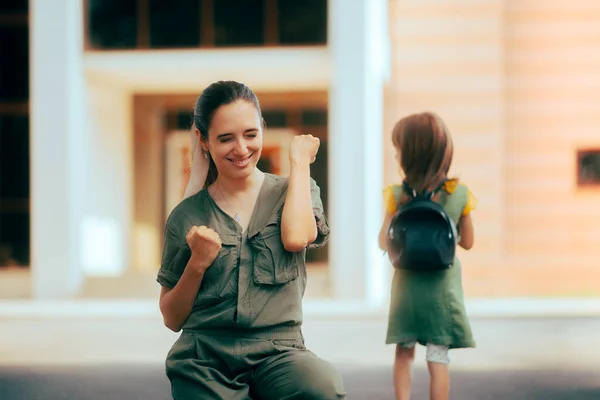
405	354
437	363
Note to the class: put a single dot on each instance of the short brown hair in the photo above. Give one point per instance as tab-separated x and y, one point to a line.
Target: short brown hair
425	148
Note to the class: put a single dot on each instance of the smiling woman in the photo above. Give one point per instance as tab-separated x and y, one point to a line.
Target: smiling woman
233	112
233	268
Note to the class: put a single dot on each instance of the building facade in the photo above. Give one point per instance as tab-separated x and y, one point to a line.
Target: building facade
98	149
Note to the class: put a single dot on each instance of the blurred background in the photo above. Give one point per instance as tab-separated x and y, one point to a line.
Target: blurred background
96	100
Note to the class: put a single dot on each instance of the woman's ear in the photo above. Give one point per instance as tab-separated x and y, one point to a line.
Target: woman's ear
201	140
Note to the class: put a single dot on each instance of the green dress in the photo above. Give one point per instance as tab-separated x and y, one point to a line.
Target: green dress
429	307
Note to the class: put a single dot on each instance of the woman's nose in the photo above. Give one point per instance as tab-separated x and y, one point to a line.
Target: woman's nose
240	147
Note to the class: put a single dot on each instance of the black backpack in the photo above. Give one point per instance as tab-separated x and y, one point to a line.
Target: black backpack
421	235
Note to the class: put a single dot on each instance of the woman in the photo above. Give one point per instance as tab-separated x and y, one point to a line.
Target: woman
233	270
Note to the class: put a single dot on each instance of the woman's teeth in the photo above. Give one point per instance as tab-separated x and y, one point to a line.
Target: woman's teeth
241	163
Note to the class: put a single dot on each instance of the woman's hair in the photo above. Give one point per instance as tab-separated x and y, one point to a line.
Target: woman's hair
216	95
426	150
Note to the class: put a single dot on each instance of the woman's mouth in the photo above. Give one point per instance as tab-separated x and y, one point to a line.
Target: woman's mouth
241	162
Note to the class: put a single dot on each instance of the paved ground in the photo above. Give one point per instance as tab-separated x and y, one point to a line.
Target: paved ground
147	382
546	359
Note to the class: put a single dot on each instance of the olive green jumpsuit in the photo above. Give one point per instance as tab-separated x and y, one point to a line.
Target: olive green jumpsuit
243	338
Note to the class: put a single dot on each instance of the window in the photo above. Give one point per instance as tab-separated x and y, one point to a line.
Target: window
14	134
14	239
174	23
302	22
314	117
179	120
158	24
14	163
275	118
112	24
588	167
14	63
239	23
14	6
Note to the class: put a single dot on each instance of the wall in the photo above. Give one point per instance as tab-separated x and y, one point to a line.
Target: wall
448	58
553	106
516	81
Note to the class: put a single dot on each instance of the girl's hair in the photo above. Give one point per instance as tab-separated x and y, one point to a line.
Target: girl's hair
216	95
425	148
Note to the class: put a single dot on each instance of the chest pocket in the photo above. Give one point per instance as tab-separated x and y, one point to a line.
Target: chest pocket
220	279
272	263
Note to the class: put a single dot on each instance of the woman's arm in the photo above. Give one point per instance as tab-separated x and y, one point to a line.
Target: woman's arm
203	246
298	223
176	303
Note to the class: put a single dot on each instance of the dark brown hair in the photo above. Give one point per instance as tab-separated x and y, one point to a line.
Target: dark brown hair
425	148
212	98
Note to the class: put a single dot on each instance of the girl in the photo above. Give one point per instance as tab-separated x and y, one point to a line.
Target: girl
427	308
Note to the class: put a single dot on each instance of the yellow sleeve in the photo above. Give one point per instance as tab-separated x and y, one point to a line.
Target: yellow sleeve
451	185
471	203
389	200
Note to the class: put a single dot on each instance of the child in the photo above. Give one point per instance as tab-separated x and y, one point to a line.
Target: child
427	307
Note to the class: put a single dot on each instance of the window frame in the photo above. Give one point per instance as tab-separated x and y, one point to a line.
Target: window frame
580	154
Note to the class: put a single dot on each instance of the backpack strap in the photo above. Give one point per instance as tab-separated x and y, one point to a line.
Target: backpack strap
398	191
414	194
455	202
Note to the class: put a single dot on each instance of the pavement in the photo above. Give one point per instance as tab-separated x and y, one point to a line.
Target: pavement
100	357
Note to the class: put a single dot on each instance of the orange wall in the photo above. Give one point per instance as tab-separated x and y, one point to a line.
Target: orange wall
517	83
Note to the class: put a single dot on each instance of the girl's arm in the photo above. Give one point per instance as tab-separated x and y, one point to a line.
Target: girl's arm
465	223
383	232
467	234
389	208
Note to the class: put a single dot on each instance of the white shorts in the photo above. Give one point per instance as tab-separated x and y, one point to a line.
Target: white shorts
435	352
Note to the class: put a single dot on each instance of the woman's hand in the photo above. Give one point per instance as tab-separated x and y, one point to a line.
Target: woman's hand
176	303
205	245
303	149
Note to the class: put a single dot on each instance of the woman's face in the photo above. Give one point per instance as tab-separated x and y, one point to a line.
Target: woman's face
235	139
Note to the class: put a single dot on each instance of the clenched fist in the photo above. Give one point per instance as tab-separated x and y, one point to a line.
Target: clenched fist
304	148
204	244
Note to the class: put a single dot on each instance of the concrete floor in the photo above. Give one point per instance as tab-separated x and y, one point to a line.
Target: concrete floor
515	359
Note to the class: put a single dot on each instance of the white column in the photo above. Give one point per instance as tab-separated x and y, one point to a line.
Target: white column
56	139
105	238
358	40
